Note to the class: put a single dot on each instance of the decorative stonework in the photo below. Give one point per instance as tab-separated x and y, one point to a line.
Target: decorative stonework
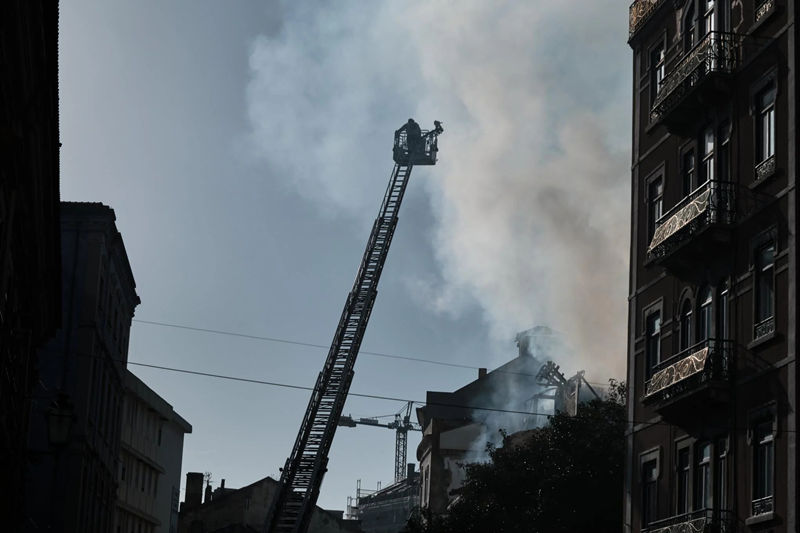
639	12
765	168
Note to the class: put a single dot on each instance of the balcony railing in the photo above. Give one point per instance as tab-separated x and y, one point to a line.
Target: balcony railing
704	520
762	506
714	202
639	12
717	52
706	361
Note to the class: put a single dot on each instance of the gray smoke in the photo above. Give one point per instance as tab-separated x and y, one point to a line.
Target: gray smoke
531	194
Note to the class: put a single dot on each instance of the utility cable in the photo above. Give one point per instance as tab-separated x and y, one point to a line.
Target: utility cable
648	423
326	347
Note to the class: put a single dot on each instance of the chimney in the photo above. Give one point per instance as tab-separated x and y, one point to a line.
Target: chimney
194	490
481	373
222	484
410	471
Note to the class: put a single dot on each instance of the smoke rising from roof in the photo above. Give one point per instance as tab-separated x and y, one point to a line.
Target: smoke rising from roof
531	193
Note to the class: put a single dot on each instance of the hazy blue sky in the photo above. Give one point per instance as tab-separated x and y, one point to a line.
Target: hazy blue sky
245	147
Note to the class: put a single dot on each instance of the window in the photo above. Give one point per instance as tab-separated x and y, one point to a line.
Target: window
765	285
685	339
689	177
707	169
721	475
657	65
690	28
722	327
653	347
704	315
765	123
724	156
702	476
655	206
649	491
682	481
763	465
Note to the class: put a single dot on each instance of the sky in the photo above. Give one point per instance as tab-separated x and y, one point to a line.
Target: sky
245	147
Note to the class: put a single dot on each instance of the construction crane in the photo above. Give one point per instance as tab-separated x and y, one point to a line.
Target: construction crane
402	424
301	476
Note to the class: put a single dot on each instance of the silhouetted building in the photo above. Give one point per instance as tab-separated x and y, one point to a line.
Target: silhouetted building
455	429
388	510
30	291
151	454
76	411
245	510
712	369
517	396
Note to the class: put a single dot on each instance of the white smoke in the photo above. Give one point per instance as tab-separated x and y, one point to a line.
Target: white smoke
532	190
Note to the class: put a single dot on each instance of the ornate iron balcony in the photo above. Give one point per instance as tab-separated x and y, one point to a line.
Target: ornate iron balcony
762	506
764	328
717	52
706	361
639	12
704	520
714	202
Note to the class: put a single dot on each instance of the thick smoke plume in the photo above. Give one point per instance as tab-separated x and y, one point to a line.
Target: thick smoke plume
532	198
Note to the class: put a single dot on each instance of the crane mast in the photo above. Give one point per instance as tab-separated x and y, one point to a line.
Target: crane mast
301	476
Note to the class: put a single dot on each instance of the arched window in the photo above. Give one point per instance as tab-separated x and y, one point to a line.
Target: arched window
704	314
686	325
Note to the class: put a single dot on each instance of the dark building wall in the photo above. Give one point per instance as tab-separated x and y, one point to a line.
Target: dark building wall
678	400
29	231
72	486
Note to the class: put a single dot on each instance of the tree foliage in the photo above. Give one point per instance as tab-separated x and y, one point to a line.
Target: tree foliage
564	477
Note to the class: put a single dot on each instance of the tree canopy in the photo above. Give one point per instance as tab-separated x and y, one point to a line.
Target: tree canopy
564	477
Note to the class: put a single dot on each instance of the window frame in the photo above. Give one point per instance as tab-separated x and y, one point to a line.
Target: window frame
705	314
652	214
761	324
761	417
651	362
656	69
646	457
765	115
702	476
683	477
688	174
764	167
685	324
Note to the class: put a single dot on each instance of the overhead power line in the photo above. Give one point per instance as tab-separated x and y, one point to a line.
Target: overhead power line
393	398
325	347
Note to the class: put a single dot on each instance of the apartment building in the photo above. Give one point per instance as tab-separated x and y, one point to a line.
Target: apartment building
713	271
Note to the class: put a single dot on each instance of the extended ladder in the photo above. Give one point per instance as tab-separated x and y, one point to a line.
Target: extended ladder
301	477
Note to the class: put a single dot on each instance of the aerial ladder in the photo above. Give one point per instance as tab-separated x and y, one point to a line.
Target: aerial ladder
301	476
402	424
